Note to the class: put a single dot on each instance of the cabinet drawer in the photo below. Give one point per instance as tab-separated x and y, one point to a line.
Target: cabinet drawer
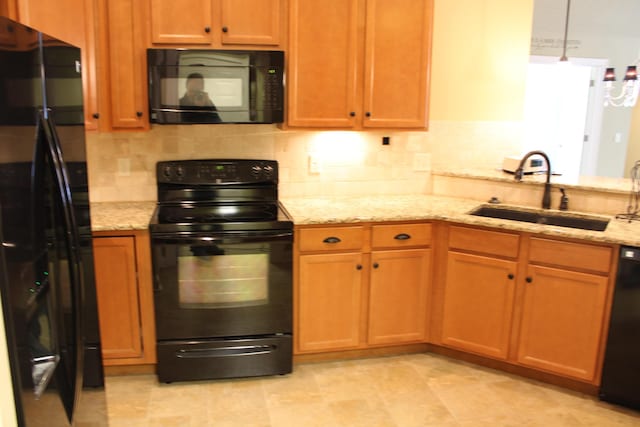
484	241
572	255
400	235
331	238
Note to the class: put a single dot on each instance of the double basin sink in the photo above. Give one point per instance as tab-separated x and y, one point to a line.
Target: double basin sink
536	216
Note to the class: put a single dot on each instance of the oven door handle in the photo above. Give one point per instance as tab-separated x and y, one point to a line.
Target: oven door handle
231	351
200	239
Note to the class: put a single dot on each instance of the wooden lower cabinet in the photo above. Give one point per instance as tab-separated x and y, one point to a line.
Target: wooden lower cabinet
541	306
528	302
125	304
361	286
478	304
329	296
562	321
398	296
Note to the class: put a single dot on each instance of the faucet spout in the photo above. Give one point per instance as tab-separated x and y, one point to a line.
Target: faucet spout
546	197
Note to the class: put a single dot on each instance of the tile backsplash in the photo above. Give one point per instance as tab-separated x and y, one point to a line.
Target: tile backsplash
122	165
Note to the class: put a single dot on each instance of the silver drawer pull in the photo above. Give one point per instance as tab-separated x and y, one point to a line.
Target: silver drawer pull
332	240
402	236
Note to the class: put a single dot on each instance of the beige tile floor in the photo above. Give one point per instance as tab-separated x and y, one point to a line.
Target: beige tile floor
406	391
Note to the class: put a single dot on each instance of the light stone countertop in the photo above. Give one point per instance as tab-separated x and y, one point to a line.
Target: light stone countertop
112	216
585	183
335	210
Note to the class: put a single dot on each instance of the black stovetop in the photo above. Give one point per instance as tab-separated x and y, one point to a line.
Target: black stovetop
218	195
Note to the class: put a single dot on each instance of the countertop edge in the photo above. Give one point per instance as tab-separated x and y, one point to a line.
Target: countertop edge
448	209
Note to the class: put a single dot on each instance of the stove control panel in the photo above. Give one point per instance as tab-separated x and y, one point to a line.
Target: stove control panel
212	172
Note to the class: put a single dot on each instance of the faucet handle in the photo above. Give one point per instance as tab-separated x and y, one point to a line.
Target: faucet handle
564	200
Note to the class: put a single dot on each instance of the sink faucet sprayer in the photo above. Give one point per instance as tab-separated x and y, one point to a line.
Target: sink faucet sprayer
546	197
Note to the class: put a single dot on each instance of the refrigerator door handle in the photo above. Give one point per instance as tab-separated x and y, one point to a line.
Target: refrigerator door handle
72	238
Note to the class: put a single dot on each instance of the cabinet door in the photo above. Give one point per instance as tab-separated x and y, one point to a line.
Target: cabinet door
478	304
8	8
124	55
329	300
398	51
398	296
8	36
118	302
181	22
72	21
260	26
62	19
562	320
323	63
90	69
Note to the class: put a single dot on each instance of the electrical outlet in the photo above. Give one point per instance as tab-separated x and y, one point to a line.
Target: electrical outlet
422	162
314	164
618	137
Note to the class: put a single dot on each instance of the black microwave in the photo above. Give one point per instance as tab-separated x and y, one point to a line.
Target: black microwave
189	86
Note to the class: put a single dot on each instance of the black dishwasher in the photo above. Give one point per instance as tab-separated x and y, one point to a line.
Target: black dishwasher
621	370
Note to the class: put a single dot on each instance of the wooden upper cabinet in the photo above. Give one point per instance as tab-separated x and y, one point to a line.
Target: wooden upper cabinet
251	22
7	35
324	45
63	19
181	22
359	63
397	53
124	72
18	37
215	23
8	8
72	21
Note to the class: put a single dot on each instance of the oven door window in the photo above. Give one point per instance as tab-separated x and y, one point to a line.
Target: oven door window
208	280
220	289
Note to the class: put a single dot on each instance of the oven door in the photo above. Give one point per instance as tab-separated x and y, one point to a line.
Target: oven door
222	285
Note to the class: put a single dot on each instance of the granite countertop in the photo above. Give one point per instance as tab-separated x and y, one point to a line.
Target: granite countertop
112	216
586	183
334	210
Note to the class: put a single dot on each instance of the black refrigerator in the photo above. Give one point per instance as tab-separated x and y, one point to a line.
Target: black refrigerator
47	283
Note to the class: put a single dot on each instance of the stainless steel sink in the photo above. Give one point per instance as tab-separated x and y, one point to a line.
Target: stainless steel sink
583	222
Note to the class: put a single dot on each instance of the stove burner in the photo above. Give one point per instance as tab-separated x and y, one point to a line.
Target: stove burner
242	194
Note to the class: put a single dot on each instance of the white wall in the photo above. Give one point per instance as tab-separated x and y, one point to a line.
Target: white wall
606	30
7	406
